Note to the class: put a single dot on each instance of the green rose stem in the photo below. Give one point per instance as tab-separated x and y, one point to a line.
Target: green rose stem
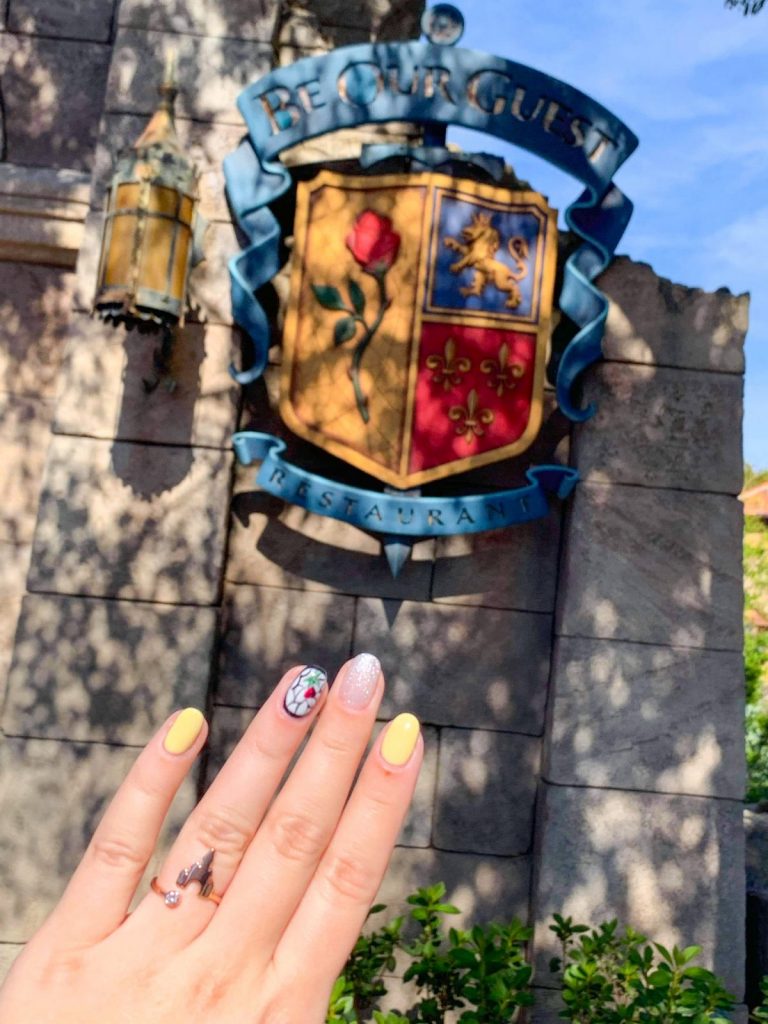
362	345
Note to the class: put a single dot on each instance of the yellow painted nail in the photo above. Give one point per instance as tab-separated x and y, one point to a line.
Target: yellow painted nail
184	731
400	739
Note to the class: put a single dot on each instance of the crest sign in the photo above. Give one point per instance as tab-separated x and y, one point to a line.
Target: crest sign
417	329
416	333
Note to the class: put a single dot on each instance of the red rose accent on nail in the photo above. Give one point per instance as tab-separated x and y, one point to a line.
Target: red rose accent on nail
373	243
305	690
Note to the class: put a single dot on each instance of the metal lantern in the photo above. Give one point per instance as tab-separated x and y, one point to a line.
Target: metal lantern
152	231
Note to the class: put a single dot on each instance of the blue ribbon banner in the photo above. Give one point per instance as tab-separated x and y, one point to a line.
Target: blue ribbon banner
400	515
430	84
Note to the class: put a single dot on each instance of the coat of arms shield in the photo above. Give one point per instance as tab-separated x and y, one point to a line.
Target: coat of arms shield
416	332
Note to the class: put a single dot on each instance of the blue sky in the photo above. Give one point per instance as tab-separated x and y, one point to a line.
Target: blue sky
690	78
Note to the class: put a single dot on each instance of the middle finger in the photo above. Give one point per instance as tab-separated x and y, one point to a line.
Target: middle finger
283	856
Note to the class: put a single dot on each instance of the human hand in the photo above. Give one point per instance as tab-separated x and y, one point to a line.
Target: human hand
296	872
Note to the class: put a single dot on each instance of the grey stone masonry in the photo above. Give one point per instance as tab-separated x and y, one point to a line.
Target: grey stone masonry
656	566
103	394
494	569
655	322
132	521
670	866
274	543
234	19
34	319
640	716
474	667
684	425
53	796
266	630
86	669
483	888
73	19
485	792
211	72
53	93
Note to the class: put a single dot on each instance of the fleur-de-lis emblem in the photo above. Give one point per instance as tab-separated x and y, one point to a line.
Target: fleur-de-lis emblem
505	374
470	419
448	369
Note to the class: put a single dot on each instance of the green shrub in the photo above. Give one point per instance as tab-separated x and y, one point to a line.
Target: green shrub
611	976
482	972
607	975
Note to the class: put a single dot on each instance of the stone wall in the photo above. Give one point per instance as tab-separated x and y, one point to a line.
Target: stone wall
579	678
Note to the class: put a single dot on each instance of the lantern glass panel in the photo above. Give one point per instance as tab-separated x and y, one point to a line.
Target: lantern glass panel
156	253
164	201
118	267
181	258
127	196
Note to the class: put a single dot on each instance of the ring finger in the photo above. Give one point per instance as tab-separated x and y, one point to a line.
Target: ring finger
231	811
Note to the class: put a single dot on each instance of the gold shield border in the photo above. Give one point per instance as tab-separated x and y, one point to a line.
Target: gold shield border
545	270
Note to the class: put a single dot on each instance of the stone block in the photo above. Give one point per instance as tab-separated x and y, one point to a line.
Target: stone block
34	315
53	796
102	392
42	210
78	19
670	866
546	1008
653	321
234	19
273	543
131	521
316	22
53	91
635	716
486	791
756	833
211	73
9	616
655	566
107	671
512	568
685	428
204	143
266	630
470	667
230	723
483	888
8	953
209	295
25	428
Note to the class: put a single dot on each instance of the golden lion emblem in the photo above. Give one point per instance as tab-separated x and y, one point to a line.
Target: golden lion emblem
480	243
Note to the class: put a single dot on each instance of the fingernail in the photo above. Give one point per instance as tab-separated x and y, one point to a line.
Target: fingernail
184	731
359	682
304	692
400	739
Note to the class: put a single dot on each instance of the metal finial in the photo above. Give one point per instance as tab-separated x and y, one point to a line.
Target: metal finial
443	24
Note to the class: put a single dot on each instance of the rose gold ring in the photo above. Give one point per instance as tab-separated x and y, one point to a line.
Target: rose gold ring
200	872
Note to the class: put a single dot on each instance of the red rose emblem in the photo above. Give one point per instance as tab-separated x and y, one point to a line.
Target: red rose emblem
373	243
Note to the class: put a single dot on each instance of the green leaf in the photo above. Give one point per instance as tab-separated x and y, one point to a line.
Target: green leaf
357	296
690	952
344	330
328	296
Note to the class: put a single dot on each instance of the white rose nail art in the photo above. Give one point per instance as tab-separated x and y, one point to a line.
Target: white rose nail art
304	692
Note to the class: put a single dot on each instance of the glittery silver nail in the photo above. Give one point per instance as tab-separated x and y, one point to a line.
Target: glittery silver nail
359	682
